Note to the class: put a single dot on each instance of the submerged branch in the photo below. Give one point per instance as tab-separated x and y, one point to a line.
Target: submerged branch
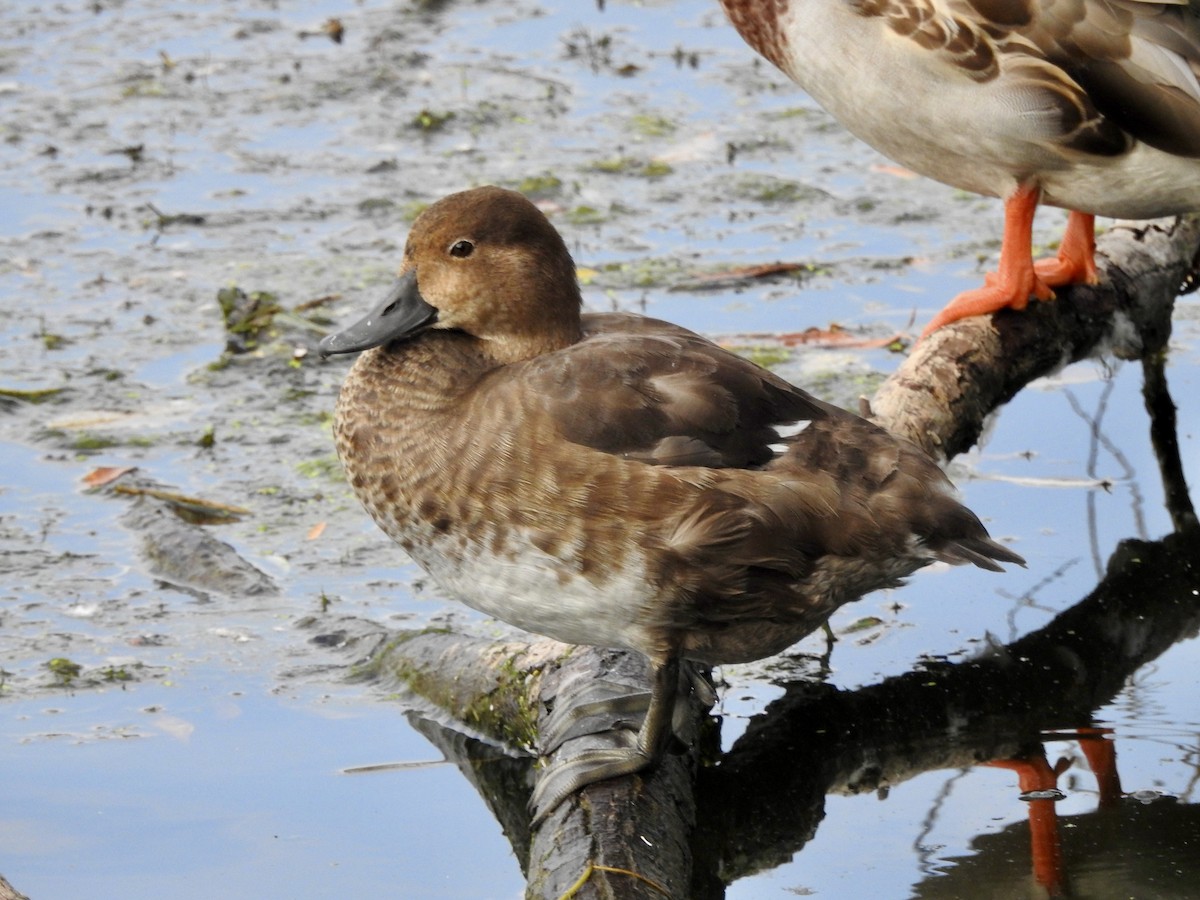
1164	436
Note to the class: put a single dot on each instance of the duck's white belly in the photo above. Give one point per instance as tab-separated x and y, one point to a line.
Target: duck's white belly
980	136
541	593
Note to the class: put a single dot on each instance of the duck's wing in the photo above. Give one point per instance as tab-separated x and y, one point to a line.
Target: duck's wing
1086	74
651	391
1137	61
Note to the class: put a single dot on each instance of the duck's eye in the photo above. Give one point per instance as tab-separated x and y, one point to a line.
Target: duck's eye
462	249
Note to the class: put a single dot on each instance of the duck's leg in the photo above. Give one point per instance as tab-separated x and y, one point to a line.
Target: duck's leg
1101	754
1015	280
615	701
1038	782
563	777
1076	259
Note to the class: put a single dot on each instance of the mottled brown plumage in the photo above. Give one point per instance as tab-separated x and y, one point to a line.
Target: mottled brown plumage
1091	105
612	479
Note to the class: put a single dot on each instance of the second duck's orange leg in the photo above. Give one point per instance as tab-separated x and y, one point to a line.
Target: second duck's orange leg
1076	259
1014	280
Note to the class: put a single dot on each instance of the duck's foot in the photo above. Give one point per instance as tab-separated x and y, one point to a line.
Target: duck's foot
611	705
564	777
997	294
615	708
1076	259
1018	278
568	769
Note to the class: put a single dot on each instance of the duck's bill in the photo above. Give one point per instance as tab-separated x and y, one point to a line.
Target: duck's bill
401	313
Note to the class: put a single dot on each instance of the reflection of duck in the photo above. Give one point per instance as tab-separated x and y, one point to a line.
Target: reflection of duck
611	479
1091	105
1125	848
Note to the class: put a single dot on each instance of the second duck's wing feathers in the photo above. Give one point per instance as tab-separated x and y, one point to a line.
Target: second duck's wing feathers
1139	62
1085	74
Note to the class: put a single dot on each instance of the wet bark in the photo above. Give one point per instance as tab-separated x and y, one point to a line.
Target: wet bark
686	830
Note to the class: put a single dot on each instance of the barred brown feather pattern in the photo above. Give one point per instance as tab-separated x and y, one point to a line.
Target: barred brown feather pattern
758	22
452	455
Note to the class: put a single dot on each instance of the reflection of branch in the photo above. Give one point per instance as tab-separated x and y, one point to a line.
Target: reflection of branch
1098	439
1028	600
1165	438
759	804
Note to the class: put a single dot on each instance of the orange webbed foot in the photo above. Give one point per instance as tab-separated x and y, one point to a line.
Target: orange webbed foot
1014	281
1018	277
998	292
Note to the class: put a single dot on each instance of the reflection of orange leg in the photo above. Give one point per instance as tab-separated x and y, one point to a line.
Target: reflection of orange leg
1014	281
1101	755
1034	774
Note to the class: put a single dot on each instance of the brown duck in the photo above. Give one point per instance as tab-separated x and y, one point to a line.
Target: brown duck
611	479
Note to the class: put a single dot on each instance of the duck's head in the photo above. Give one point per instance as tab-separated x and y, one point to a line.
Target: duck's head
485	262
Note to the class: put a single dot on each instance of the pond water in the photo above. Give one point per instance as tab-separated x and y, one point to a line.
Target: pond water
157	152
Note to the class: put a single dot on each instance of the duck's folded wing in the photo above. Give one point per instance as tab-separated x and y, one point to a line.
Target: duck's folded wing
654	392
1138	61
1084	75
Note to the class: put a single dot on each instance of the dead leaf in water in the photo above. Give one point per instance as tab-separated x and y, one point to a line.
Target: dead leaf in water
316	303
332	29
897	171
315	532
738	274
36	395
164	220
833	336
106	475
84	419
836	336
192	509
